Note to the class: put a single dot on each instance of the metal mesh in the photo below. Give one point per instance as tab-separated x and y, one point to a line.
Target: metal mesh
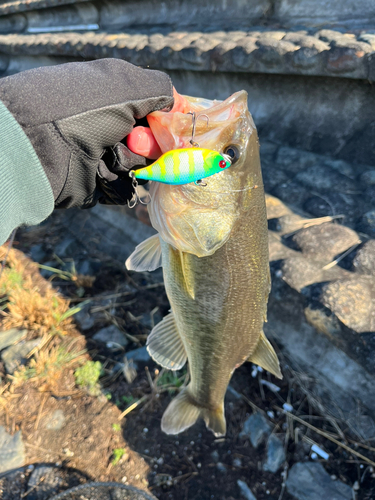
103	491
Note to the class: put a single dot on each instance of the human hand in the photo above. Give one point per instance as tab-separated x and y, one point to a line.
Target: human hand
75	116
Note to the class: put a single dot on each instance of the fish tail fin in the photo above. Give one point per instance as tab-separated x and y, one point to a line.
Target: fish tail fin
215	421
184	411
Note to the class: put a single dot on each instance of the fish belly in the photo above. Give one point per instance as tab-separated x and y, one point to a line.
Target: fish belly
219	302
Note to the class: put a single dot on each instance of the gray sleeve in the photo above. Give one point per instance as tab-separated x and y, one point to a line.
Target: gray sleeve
26	196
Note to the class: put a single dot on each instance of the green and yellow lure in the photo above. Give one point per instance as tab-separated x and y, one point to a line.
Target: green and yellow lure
182	166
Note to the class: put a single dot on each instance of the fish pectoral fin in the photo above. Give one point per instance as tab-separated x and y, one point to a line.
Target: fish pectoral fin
265	356
165	345
183	412
188	278
146	256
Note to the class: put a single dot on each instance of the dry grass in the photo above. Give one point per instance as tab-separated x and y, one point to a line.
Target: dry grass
27	301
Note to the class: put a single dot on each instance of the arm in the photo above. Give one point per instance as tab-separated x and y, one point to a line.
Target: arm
61	133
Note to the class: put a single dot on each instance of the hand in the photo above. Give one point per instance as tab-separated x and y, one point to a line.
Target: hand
75	116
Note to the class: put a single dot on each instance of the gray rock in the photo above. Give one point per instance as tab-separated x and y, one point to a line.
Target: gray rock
275	454
37	252
138	355
12	450
215	456
310	481
341	166
368	177
273	176
245	490
84	319
364	261
221	467
10	337
323	178
291	192
334	204
351	301
111	334
68	247
43	483
257	428
295	160
326	241
367	223
55	421
15	356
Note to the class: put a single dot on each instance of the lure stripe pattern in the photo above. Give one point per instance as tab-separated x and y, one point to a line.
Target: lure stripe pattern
182	166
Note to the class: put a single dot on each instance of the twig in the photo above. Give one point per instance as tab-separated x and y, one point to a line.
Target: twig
40	413
322	433
133	406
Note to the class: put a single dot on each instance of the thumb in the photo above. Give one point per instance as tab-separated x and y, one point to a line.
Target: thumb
142	142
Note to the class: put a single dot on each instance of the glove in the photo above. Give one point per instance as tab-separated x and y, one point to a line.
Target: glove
75	116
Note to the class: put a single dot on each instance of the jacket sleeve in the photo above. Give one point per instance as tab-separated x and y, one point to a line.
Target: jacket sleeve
26	196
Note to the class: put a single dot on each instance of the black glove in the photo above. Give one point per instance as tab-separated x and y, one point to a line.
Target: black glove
75	116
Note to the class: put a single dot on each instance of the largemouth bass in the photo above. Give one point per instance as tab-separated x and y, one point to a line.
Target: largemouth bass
212	243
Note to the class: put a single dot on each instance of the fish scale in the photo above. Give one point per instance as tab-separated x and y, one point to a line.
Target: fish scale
183	166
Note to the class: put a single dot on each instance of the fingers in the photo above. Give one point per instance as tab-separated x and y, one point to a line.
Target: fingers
142	142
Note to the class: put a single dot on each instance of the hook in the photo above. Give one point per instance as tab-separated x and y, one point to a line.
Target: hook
195	118
136	198
200	182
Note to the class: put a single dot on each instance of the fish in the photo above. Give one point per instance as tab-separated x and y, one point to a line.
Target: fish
212	244
182	166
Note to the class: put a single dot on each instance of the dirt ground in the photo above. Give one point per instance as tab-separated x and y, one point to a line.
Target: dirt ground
194	465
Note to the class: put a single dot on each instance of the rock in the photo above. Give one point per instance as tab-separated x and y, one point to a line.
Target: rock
275	454
245	490
341	166
56	421
310	481
292	193
275	207
68	247
10	337
15	356
368	177
364	261
299	272
295	160
334	204
272	176
351	301
367	223
43	483
12	450
221	467
322	178
215	456
326	241
84	319
111	334
140	355
257	428
37	252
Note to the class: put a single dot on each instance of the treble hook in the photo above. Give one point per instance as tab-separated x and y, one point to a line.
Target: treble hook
195	118
136	198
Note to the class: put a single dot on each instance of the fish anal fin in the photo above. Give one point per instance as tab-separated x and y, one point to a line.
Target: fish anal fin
165	345
188	280
184	411
265	356
146	256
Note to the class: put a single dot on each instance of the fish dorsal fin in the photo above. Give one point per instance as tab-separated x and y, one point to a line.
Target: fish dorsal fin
265	356
146	256
189	282
165	346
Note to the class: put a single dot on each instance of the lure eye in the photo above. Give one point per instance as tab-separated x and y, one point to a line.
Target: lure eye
222	163
232	152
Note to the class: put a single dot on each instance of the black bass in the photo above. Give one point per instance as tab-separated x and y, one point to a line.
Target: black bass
212	243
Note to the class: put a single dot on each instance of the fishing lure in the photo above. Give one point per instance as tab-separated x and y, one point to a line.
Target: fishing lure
182	166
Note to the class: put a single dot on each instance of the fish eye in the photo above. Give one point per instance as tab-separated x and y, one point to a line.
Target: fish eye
233	153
